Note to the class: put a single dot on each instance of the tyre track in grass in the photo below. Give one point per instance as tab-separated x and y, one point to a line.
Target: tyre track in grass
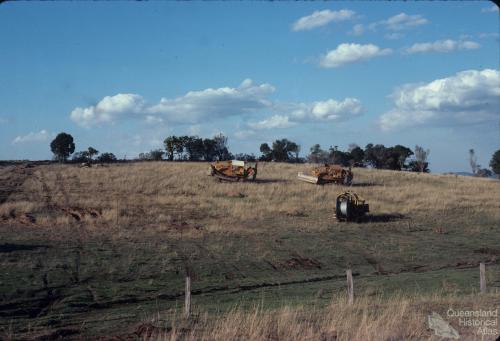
12	179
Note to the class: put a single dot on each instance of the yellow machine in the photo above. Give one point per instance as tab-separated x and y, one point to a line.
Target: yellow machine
327	174
234	170
350	207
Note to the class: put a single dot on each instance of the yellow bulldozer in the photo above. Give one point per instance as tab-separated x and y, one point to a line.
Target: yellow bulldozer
234	170
328	174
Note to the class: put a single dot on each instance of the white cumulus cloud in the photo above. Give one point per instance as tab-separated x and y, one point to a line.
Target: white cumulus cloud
351	53
275	121
471	96
442	46
293	113
214	103
399	22
108	110
193	107
321	18
32	137
335	110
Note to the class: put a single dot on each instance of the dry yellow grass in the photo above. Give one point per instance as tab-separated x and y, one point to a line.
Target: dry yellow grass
369	318
157	195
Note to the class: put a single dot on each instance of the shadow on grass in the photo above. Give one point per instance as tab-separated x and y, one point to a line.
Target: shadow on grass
270	181
4	248
363	184
381	218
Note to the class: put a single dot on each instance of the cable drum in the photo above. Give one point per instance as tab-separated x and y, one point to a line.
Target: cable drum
344	207
350	207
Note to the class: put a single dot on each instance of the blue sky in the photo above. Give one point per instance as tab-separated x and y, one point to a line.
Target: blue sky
121	76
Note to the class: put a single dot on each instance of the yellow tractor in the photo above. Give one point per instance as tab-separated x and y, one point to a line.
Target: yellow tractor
350	207
234	170
327	174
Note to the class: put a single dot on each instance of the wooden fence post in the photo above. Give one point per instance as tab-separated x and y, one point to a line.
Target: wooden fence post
187	301
350	287
482	278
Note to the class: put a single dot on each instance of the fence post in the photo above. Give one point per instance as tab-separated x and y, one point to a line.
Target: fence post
482	278
187	301
350	287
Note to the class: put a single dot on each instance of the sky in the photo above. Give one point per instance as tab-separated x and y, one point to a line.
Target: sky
122	76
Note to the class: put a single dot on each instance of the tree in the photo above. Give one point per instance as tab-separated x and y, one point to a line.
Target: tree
381	157
209	152
79	157
267	153
194	148
221	149
295	149
245	157
284	149
91	152
351	147
414	166
375	156
403	154
421	156
495	163
62	146
473	161
357	156
169	144
106	158
339	157
318	155
156	155
483	172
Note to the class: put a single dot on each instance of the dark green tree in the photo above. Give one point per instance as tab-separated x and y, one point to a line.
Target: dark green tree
495	163
339	157
403	153
106	158
194	148
483	172
169	144
375	155
357	156
62	146
80	157
91	152
245	157
209	152
267	153
156	155
284	150
294	149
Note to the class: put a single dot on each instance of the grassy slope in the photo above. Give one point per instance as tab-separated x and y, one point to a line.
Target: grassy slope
100	249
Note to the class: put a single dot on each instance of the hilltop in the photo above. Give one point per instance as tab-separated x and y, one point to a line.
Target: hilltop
99	250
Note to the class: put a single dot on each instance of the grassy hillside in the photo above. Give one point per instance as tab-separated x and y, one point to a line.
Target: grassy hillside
96	251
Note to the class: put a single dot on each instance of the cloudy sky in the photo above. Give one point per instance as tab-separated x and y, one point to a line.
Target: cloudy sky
122	76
